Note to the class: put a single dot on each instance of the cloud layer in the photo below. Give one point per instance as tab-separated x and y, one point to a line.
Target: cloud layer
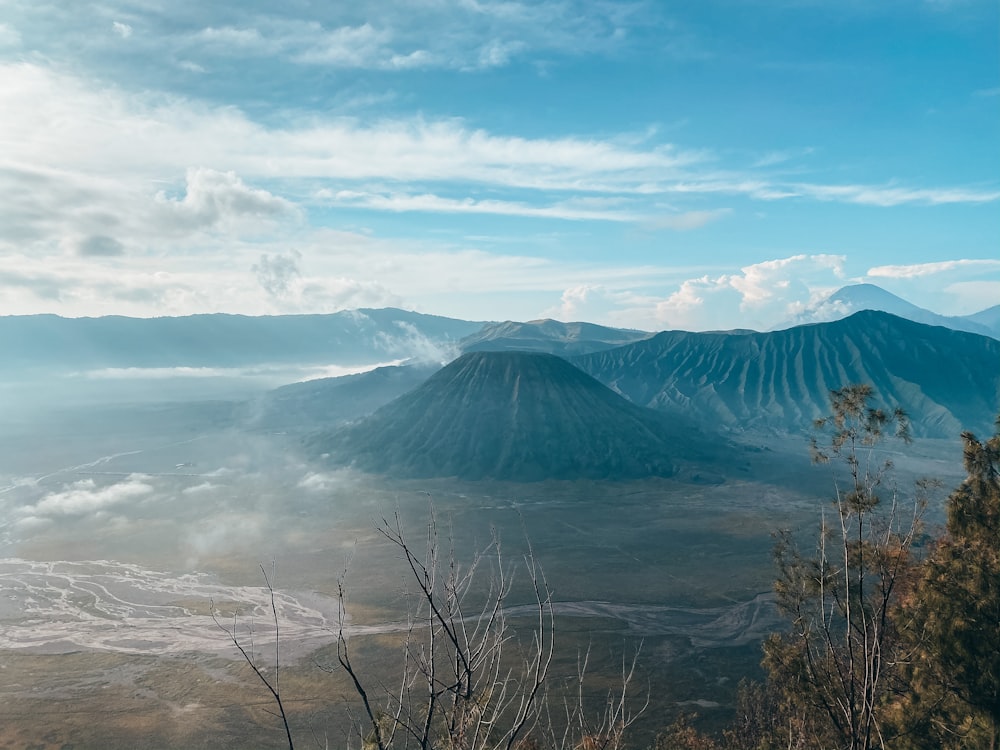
200	157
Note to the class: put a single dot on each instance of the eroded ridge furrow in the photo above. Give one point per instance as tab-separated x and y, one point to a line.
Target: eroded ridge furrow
943	379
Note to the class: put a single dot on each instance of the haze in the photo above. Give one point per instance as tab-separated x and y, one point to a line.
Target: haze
580	272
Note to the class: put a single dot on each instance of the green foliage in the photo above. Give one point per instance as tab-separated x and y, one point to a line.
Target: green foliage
836	666
681	735
953	618
884	650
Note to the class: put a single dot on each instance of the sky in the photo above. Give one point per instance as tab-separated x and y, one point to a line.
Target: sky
653	165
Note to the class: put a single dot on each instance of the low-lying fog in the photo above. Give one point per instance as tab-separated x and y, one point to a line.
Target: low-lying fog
135	509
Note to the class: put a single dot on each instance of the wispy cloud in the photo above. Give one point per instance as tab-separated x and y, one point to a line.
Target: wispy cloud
780	157
569	210
915	270
890	195
142	168
395	35
309	43
688	220
183	187
167	134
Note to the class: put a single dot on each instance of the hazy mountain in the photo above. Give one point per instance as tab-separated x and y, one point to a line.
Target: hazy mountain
315	404
515	416
348	337
549	336
946	380
990	318
857	297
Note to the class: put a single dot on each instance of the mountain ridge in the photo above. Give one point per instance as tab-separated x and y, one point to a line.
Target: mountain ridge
349	337
949	381
551	336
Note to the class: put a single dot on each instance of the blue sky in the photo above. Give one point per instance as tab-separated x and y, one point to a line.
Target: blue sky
725	163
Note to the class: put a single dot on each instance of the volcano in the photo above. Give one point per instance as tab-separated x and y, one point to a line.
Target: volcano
516	416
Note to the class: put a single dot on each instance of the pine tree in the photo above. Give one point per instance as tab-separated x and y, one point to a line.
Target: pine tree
953	617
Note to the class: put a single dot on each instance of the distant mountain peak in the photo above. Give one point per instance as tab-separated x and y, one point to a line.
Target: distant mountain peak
866	293
857	297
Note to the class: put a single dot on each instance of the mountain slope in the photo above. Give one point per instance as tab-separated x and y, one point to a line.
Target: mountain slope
515	416
315	404
990	318
946	380
551	336
851	299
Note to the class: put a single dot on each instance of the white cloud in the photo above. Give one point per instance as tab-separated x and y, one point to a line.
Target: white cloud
599	303
397	35
86	497
689	297
354	47
202	488
190	66
914	270
143	203
780	157
888	195
688	220
569	210
319	481
289	290
498	53
230	40
213	198
309	43
276	273
818	308
409	343
885	196
761	283
225	534
106	172
122	29
760	296
9	36
575	300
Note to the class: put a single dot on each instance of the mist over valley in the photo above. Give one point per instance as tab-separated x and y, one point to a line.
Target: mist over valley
646	472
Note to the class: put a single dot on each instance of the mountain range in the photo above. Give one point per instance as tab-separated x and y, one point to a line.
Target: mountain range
613	403
47	342
655	406
40	343
948	381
